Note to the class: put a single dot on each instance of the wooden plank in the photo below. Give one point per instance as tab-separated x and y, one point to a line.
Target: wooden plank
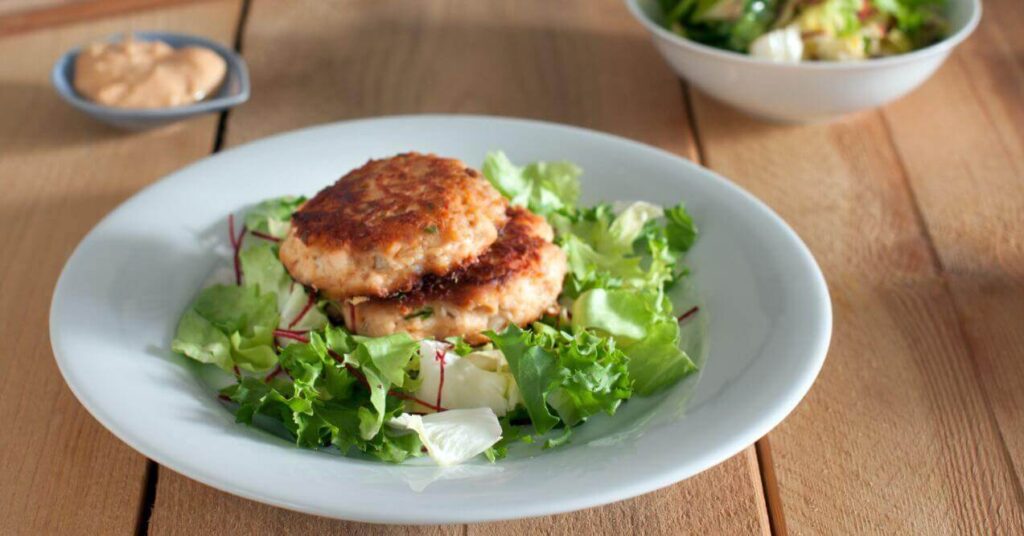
717	501
186	507
25	15
60	173
25	6
961	139
896	435
590	65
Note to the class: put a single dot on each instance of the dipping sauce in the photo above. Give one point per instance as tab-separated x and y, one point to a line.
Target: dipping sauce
147	74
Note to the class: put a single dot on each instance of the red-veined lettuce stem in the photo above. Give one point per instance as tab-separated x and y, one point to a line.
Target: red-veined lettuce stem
264	236
300	336
236	245
685	316
302	313
439	357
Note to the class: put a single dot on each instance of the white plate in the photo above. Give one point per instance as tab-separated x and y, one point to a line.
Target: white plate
117	303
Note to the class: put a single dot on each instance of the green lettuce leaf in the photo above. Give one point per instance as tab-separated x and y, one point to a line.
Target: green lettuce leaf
237	309
577	375
729	24
273	216
593	374
332	398
543	187
459	345
383	362
245	319
370	422
589	268
255	397
255	352
657	362
623	314
261	268
628	250
535	370
389	355
394	447
921	21
246	316
201	340
648	336
627	226
680	229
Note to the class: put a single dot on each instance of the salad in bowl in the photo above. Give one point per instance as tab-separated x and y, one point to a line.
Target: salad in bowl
806	60
800	30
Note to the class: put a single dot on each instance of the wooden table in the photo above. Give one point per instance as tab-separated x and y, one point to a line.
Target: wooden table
914	211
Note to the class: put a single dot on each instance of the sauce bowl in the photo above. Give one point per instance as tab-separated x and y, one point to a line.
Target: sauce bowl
233	91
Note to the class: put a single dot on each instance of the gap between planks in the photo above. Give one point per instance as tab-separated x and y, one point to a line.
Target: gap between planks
944	278
148	498
766	469
770	487
772	495
152	468
222	124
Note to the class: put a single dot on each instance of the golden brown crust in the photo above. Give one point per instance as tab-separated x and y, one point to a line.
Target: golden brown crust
516	251
384	226
515	281
387	201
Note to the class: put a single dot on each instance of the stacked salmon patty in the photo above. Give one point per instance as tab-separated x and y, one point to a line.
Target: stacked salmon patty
424	245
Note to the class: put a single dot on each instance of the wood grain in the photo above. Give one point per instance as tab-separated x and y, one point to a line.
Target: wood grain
590	66
18	16
60	173
186	507
966	164
896	436
716	501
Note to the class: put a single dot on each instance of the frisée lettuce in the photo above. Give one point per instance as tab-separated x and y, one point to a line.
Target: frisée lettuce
620	266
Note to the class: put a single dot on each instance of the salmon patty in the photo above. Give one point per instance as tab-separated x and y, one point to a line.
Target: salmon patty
383	227
515	281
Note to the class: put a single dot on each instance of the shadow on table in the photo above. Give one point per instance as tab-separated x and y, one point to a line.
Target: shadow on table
43	122
526	70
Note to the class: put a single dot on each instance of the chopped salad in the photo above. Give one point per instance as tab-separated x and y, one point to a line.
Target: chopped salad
796	30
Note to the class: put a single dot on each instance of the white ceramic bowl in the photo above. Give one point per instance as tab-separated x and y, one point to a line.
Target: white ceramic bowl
764	302
808	91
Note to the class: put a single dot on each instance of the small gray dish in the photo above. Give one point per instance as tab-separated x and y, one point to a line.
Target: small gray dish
234	90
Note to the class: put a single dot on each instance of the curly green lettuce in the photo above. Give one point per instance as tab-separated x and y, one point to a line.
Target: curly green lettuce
620	267
564	377
339	393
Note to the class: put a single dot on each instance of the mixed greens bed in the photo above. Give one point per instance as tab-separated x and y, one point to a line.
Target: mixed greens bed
617	336
794	30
